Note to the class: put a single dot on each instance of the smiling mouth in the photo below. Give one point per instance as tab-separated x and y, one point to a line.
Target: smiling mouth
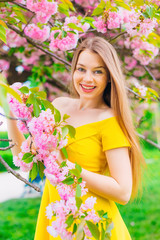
87	87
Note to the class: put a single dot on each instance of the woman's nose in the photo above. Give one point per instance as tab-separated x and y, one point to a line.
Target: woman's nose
88	76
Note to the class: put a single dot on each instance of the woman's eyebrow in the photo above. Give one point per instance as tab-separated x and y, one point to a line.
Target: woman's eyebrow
94	67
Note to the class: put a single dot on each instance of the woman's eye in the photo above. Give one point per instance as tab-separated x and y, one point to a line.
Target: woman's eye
81	69
98	72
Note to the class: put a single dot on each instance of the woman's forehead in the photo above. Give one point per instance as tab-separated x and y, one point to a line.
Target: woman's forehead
90	58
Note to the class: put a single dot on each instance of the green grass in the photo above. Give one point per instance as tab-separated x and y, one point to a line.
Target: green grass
142	216
18	217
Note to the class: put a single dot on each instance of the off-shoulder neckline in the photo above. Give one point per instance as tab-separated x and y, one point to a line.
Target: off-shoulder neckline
97	122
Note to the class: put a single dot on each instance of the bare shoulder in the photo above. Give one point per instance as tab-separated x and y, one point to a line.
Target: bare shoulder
107	113
61	103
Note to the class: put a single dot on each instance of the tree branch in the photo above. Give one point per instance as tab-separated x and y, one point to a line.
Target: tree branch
17	175
6	148
5	140
37	44
149	141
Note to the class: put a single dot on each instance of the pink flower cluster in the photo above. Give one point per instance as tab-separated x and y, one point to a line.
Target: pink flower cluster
142	89
87	3
114	20
14	40
44	9
76	21
34	32
63	209
100	25
20	110
143	51
65	43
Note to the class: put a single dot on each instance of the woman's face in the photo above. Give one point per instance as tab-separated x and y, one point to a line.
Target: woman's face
90	76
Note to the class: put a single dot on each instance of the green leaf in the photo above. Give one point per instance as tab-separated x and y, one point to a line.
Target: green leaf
11	91
3	96
77	166
65	116
122	4
57	115
80	232
72	131
31	99
36	108
69	180
154	92
93	229
48	104
74	228
64	34
97	11
102	232
41	94
100	213
24	89
78	202
34	171
3	37
78	191
74	26
41	170
151	11
69	3
64	151
34	89
75	172
65	131
20	16
69	221
56	35
63	164
80	180
105	215
27	157
63	8
2	30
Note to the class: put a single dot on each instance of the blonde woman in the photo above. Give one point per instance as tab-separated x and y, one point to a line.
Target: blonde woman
105	146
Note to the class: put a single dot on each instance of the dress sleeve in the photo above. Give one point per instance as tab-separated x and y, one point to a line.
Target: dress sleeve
113	136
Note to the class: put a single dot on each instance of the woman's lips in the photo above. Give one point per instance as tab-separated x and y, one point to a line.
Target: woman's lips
87	88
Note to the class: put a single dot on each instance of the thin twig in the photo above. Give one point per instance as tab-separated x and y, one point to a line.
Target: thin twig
17	175
118	35
153	77
9	147
13	118
149	141
5	140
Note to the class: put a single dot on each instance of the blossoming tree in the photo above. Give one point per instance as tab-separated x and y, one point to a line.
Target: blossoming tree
38	39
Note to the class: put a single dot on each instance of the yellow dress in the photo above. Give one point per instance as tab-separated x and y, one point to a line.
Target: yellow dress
87	149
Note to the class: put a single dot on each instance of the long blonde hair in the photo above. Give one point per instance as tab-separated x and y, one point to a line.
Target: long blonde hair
115	97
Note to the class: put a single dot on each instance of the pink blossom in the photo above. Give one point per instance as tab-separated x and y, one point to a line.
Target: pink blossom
147	26
63	44
131	62
49	211
142	89
4	65
43	9
25	167
36	33
100	25
139	72
114	20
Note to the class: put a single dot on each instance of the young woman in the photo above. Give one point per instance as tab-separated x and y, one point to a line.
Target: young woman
105	144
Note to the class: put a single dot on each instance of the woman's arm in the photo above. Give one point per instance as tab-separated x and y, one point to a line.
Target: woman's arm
117	186
14	134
